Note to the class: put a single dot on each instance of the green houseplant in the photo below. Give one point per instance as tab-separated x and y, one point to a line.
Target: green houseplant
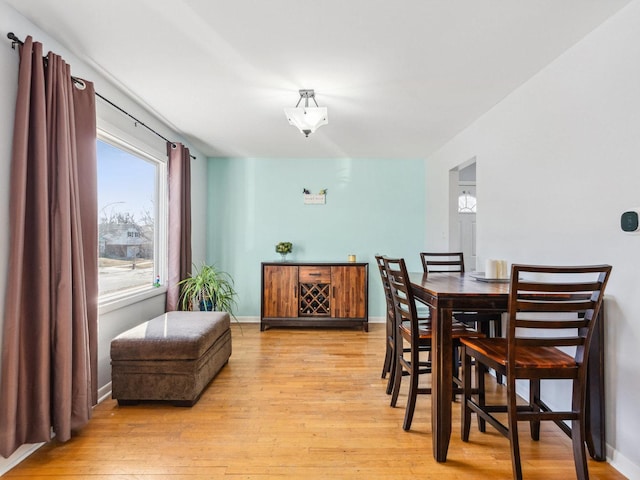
211	288
283	248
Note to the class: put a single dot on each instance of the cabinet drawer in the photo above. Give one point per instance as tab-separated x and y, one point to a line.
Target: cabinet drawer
315	275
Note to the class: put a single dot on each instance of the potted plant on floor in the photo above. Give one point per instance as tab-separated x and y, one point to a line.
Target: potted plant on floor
210	288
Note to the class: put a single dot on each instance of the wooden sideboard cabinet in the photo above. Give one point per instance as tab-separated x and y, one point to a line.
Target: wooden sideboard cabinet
314	295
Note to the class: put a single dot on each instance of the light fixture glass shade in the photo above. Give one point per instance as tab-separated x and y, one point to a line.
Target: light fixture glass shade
307	119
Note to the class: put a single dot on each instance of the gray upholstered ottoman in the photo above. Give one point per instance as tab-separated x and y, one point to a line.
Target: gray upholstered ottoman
171	357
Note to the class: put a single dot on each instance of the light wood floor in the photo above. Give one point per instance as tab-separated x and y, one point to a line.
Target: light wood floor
297	404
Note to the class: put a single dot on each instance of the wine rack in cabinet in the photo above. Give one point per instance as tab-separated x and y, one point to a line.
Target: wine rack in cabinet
314	295
314	300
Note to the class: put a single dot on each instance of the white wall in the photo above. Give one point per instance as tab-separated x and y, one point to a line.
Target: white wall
557	163
116	320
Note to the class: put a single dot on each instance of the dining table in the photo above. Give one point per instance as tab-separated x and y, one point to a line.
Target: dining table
447	293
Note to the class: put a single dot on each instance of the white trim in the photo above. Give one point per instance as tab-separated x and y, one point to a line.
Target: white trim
121	142
109	303
110	131
27	449
161	246
622	464
246	320
377	319
23	452
257	319
104	393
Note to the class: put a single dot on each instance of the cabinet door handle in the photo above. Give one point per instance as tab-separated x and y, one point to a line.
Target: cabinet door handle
295	291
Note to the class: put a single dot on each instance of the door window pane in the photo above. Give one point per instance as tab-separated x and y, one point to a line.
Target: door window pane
467	202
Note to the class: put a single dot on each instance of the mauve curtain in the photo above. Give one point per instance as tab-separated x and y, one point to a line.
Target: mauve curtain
179	221
49	356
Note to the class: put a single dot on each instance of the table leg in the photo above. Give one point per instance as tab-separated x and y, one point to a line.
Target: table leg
441	388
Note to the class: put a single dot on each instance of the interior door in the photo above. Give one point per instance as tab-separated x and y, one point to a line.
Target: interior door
467	224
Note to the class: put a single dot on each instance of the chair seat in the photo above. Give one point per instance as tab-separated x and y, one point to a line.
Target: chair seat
495	349
458	330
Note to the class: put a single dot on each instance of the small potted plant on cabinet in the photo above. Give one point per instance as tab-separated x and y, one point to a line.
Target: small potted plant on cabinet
284	248
211	289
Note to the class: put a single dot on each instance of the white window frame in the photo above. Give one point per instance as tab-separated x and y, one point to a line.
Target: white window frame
114	301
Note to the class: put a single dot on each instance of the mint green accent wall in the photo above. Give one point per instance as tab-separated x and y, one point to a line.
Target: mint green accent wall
372	206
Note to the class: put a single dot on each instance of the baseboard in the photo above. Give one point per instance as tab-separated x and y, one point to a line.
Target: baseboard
622	464
247	319
24	451
18	456
377	319
257	319
104	393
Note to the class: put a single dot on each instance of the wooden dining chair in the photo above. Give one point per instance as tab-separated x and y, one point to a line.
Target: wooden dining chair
389	339
489	323
416	332
552	315
388	366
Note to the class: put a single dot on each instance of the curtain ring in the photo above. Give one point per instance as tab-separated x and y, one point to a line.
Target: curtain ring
79	83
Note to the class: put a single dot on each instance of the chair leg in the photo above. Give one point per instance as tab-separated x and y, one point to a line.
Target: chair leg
534	403
413	392
397	374
392	372
512	413
386	366
480	382
577	433
497	332
456	359
466	395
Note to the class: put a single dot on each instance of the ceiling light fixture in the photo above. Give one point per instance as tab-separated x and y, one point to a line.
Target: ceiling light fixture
307	119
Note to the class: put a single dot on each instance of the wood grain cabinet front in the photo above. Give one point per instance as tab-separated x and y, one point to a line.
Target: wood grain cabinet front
348	292
280	291
314	295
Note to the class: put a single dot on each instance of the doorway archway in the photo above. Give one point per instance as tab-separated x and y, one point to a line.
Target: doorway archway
462	212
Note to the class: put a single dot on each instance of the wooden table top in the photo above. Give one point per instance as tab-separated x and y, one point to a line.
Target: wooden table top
455	283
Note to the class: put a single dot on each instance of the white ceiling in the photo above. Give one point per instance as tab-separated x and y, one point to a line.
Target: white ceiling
400	78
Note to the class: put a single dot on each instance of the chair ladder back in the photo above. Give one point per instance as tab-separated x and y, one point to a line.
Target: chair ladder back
403	299
385	281
399	284
555	308
433	262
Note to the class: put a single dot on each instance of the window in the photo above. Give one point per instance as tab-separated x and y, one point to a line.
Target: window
466	202
130	219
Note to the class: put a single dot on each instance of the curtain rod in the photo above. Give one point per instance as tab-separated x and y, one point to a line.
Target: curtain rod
15	40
